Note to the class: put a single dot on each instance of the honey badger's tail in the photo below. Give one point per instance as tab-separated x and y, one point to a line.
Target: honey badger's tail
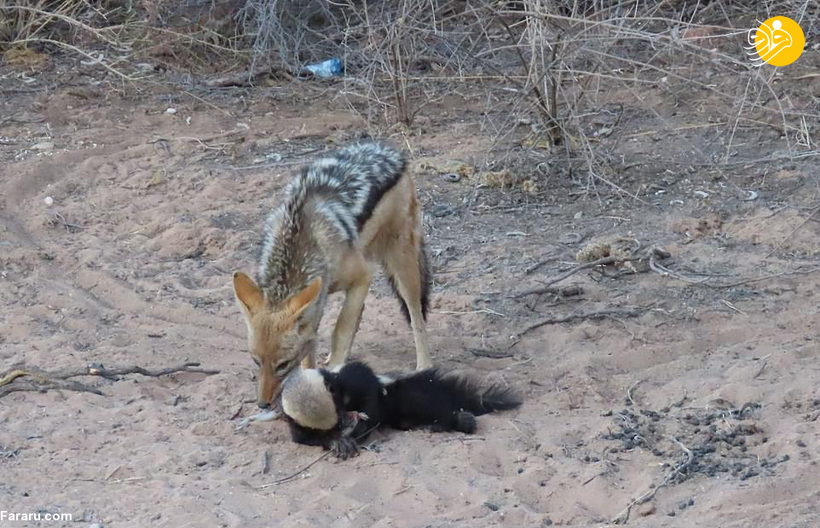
442	400
470	396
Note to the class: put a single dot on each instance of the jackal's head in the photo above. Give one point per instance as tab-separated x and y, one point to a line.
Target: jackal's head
275	337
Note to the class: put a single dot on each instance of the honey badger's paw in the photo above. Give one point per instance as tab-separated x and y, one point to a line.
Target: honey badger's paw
465	422
344	448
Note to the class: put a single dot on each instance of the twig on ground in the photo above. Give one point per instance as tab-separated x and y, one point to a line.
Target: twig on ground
793	231
733	308
546	286
265	462
765	277
623	517
630	389
540	263
631	311
399	492
302	470
246	77
60	219
666	272
296	473
762	367
31	386
491	354
41	381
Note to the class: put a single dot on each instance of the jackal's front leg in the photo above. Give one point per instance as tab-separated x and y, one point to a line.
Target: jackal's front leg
349	318
308	355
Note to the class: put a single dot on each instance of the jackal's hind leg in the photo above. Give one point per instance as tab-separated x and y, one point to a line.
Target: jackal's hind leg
349	318
406	268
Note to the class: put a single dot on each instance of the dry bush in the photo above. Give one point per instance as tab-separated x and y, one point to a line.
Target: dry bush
575	72
560	78
30	29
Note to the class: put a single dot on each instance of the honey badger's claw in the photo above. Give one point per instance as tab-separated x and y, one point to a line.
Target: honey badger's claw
351	420
345	448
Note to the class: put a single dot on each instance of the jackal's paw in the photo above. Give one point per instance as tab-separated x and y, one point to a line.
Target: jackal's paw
424	364
344	448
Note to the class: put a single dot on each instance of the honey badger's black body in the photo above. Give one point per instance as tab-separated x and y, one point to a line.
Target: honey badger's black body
427	398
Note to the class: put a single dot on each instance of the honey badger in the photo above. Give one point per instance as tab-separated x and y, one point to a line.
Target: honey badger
338	407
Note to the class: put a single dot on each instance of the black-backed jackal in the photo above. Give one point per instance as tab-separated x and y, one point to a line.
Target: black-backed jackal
346	210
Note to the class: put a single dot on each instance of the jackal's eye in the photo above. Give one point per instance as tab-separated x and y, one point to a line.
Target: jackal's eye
282	367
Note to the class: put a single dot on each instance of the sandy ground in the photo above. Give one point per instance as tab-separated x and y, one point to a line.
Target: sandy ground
166	206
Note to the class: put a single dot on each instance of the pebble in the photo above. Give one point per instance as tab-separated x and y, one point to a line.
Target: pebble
442	211
45	145
646	510
49	201
451	177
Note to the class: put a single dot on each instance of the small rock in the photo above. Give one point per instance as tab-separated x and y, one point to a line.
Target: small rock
49	201
547	522
451	177
671	513
442	211
45	145
646	510
801	443
490	505
171	111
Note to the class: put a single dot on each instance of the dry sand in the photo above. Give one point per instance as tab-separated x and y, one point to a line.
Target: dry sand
146	280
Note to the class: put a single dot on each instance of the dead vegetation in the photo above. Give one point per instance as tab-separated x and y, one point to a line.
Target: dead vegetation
543	68
32	379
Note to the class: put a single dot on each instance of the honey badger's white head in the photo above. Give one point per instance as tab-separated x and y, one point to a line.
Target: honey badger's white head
307	400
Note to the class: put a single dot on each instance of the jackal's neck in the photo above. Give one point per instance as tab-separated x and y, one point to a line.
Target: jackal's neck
292	255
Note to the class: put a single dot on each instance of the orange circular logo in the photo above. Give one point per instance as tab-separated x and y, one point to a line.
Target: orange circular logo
779	41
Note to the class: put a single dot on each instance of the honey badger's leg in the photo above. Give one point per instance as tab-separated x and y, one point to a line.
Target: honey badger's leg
359	277
406	265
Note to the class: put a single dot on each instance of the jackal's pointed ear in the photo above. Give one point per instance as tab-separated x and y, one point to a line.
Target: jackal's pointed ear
299	302
247	293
